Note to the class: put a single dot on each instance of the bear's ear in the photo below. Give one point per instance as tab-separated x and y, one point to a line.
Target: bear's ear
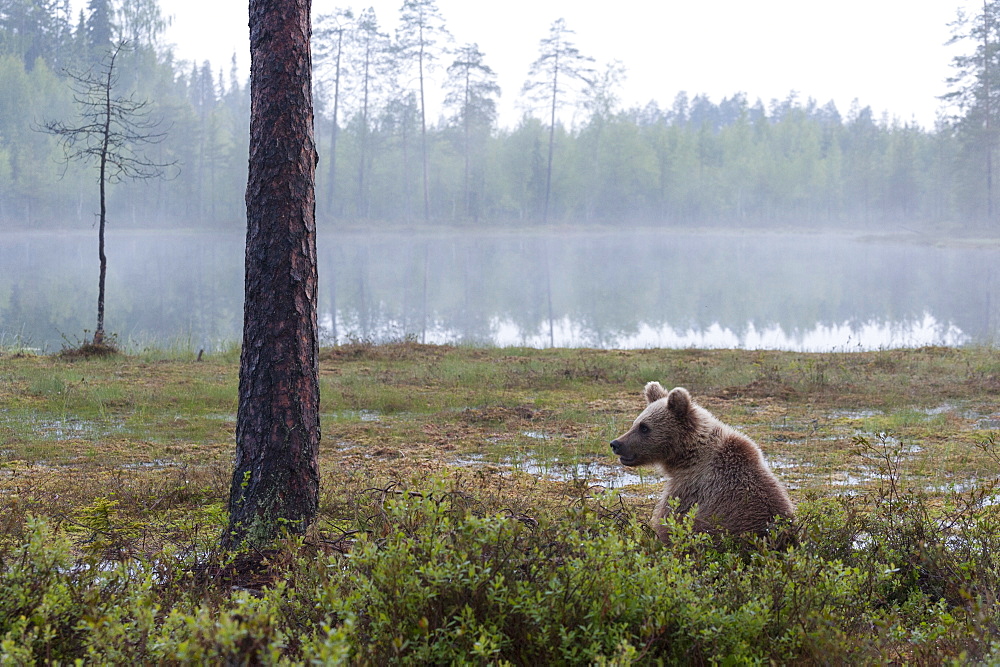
653	392
679	401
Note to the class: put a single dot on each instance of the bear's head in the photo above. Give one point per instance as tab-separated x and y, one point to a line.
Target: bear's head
663	433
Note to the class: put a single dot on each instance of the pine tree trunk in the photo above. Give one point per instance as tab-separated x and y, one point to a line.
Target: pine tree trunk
466	131
423	140
335	129
276	476
552	141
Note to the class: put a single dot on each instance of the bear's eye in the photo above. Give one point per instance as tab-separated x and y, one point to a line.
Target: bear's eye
643	428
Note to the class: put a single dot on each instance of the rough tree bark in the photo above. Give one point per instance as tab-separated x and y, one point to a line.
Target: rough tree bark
275	483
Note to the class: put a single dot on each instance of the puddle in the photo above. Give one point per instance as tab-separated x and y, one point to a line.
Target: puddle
72	429
870	477
801	441
360	415
17	468
884	443
785	462
861	541
155	464
989	501
856	478
942	409
58	430
853	414
954	487
795	426
28	468
594	472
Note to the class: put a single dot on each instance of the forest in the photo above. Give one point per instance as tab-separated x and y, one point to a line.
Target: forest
386	160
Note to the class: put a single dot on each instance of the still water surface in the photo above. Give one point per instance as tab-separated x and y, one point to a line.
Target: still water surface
610	290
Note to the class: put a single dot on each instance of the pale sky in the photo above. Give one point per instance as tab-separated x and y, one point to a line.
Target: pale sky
889	54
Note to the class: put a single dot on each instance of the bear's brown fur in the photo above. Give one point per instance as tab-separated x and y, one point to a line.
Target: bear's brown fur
708	464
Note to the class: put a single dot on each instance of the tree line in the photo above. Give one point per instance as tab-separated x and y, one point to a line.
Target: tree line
390	155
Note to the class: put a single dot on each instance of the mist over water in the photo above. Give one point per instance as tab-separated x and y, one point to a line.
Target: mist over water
609	290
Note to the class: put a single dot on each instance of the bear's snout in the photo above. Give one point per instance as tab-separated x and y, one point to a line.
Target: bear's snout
624	453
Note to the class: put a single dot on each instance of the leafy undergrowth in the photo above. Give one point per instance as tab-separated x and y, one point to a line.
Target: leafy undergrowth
443	536
442	571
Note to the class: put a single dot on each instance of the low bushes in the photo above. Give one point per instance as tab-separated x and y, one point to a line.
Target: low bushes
443	573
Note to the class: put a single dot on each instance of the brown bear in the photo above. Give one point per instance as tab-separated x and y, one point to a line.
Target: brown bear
709	464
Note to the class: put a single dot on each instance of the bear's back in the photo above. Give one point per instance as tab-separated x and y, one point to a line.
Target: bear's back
734	489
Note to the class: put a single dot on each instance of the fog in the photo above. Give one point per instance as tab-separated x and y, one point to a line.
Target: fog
629	289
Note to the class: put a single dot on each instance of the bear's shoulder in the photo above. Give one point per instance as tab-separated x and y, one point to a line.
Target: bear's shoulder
735	451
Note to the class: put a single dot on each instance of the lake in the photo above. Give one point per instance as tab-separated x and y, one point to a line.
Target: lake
630	289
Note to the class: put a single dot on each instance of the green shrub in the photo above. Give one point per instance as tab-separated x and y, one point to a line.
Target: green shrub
440	584
439	575
40	598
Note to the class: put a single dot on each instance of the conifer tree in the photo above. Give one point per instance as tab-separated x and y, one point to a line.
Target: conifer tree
421	41
975	90
99	28
550	78
473	88
331	37
110	133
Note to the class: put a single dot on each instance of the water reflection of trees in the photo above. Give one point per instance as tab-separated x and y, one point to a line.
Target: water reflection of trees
604	287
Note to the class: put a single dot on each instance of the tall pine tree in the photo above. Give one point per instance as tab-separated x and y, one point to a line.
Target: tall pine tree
551	77
421	40
975	95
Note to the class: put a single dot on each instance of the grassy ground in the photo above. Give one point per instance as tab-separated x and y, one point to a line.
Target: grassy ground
128	457
393	411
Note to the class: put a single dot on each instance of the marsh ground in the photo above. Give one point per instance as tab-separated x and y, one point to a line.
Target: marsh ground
471	511
153	435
